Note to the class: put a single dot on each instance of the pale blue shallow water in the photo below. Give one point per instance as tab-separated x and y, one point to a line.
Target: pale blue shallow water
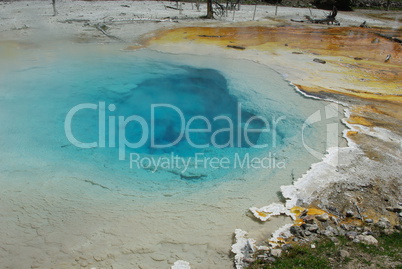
85	201
41	89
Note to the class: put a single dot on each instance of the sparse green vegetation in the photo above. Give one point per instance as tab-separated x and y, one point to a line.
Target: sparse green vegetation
326	254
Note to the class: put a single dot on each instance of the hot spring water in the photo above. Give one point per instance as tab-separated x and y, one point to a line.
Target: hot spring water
142	157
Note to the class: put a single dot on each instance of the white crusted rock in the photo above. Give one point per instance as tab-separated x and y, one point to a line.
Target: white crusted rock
274	209
243	248
367	239
180	264
280	234
276	252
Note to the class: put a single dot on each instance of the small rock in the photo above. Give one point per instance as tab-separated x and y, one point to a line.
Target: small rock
369	221
351	235
319	61
297	231
325	224
248	260
307	233
327	233
344	254
345	227
322	217
312	246
276	252
180	264
334	239
387	231
356	240
367	230
341	232
309	219
271	259
313	228
386	60
333	210
334	220
367	239
313	238
332	230
287	246
375	40
384	223
349	213
398	227
397	209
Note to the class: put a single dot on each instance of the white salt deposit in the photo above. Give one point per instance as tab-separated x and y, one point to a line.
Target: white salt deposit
180	264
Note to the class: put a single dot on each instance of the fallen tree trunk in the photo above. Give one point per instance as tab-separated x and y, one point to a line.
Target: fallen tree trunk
175	8
392	38
140	20
330	19
236	47
100	28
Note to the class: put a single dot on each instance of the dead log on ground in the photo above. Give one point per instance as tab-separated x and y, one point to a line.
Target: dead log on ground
215	36
175	8
236	47
74	20
319	61
330	19
102	28
392	38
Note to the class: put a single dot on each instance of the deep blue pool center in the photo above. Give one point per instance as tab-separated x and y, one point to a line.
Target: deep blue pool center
183	113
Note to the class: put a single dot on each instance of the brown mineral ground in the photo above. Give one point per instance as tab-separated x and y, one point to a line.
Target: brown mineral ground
355	62
357	67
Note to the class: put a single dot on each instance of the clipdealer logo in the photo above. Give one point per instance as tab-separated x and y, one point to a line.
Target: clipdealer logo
238	133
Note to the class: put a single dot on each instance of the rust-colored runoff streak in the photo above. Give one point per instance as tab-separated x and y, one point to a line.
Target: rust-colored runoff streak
362	52
342	41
